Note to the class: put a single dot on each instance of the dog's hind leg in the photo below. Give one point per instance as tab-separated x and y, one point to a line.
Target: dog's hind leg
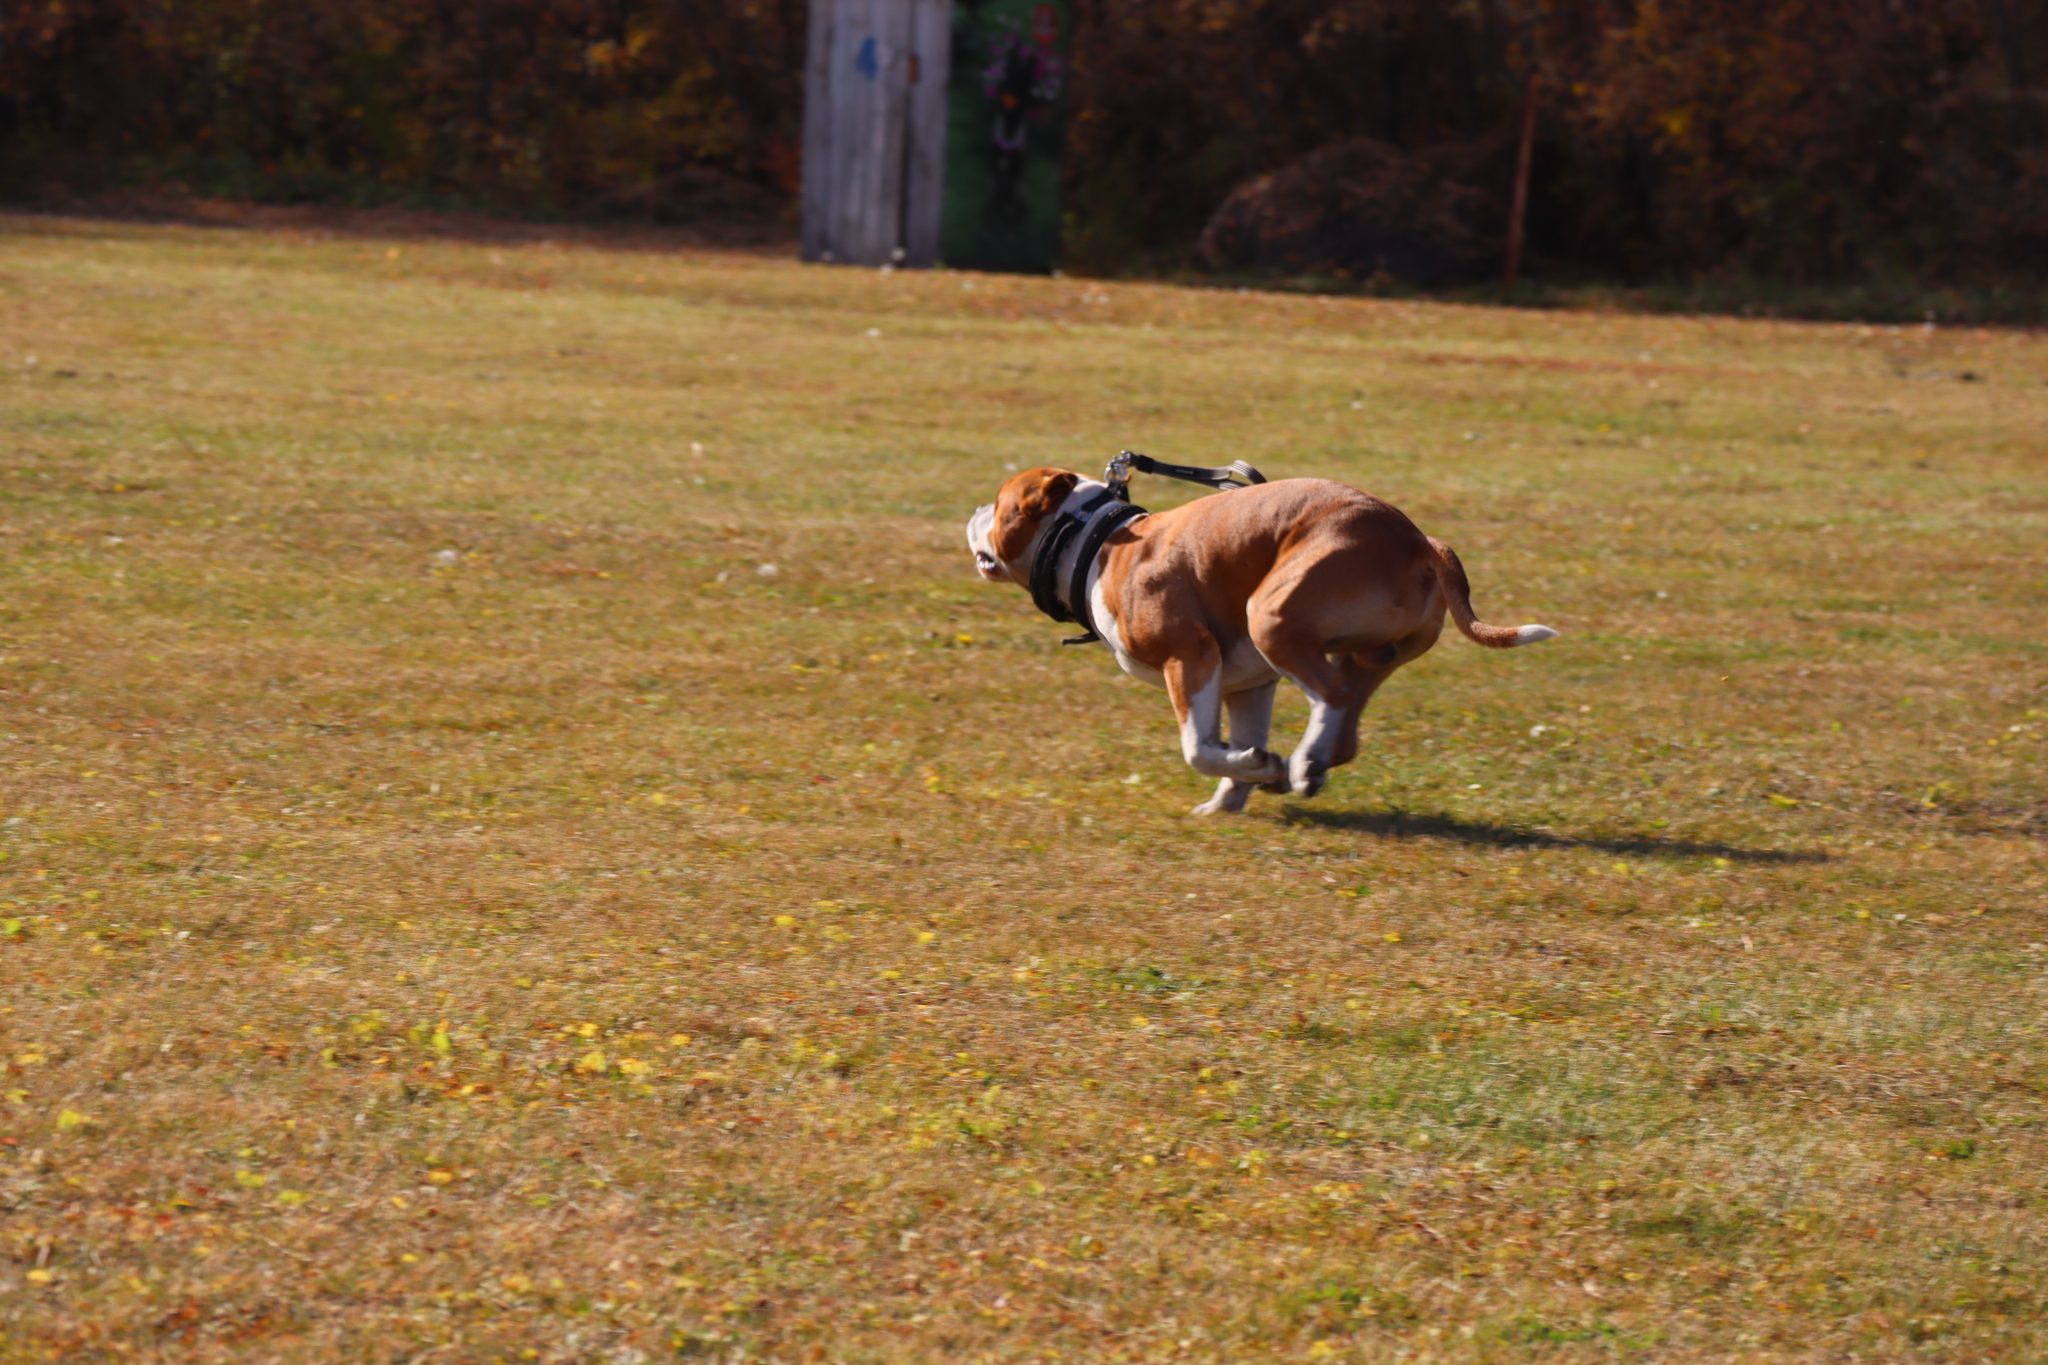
1251	722
1337	691
1308	767
1368	670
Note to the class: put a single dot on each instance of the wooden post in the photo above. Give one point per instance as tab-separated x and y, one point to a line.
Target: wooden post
874	130
1518	213
817	150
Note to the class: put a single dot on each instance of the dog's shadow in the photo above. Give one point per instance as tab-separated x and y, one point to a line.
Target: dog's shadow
1396	823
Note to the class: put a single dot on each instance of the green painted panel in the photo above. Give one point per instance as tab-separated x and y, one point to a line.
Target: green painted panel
1005	135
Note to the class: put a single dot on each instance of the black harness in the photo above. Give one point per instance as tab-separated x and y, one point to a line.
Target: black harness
1099	518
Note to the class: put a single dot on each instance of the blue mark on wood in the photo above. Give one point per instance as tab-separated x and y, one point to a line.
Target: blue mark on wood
866	61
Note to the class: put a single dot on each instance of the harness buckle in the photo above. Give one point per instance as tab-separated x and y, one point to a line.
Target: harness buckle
1118	475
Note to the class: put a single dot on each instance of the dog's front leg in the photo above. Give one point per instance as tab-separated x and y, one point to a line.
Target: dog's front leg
1194	681
1251	723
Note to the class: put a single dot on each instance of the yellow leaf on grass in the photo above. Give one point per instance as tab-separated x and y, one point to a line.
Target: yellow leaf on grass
291	1199
71	1118
1782	801
251	1180
633	1066
592	1062
1393	937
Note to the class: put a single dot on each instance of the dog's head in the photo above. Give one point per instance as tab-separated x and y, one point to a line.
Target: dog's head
1000	534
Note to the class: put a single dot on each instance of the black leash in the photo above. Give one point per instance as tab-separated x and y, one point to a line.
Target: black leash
1101	517
1236	474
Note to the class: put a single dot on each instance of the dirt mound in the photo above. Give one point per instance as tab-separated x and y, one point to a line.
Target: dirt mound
1360	208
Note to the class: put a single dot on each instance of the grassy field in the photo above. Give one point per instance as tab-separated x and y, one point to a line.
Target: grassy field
524	838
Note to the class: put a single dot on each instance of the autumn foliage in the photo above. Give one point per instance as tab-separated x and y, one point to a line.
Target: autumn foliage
1805	139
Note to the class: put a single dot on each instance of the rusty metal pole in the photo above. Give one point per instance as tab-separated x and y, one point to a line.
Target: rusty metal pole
1519	212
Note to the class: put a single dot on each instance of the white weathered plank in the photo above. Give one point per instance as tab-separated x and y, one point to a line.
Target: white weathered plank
873	142
855	51
817	164
932	42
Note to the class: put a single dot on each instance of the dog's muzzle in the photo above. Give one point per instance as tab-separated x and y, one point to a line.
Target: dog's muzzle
985	562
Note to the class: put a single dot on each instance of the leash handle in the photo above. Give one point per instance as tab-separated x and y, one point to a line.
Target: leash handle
1236	474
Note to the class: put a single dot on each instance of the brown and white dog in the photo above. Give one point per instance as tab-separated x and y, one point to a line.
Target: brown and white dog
1217	600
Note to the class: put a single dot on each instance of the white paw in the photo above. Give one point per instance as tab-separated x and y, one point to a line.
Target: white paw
1219	805
1306	779
1229	799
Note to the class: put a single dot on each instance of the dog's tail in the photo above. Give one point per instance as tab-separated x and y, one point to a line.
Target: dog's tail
1458	591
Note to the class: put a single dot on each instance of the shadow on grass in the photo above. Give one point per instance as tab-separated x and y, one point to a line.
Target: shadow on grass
1404	824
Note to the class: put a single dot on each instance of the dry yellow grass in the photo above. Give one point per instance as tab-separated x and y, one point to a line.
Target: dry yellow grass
461	905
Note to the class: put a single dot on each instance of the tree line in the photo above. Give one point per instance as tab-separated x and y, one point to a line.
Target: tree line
1805	140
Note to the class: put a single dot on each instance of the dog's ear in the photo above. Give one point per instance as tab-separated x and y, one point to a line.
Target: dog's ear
1026	500
1043	497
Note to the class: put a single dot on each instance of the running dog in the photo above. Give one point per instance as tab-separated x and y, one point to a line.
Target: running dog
1217	600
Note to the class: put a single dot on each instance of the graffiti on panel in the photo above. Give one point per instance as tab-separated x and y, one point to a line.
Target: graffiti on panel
1005	135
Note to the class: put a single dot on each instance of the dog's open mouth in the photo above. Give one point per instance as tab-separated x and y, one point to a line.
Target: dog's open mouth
985	563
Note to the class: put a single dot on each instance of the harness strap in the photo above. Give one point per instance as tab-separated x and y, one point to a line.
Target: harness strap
1045	564
1100	528
1101	517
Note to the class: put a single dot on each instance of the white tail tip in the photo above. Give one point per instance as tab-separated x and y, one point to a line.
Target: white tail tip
1533	635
